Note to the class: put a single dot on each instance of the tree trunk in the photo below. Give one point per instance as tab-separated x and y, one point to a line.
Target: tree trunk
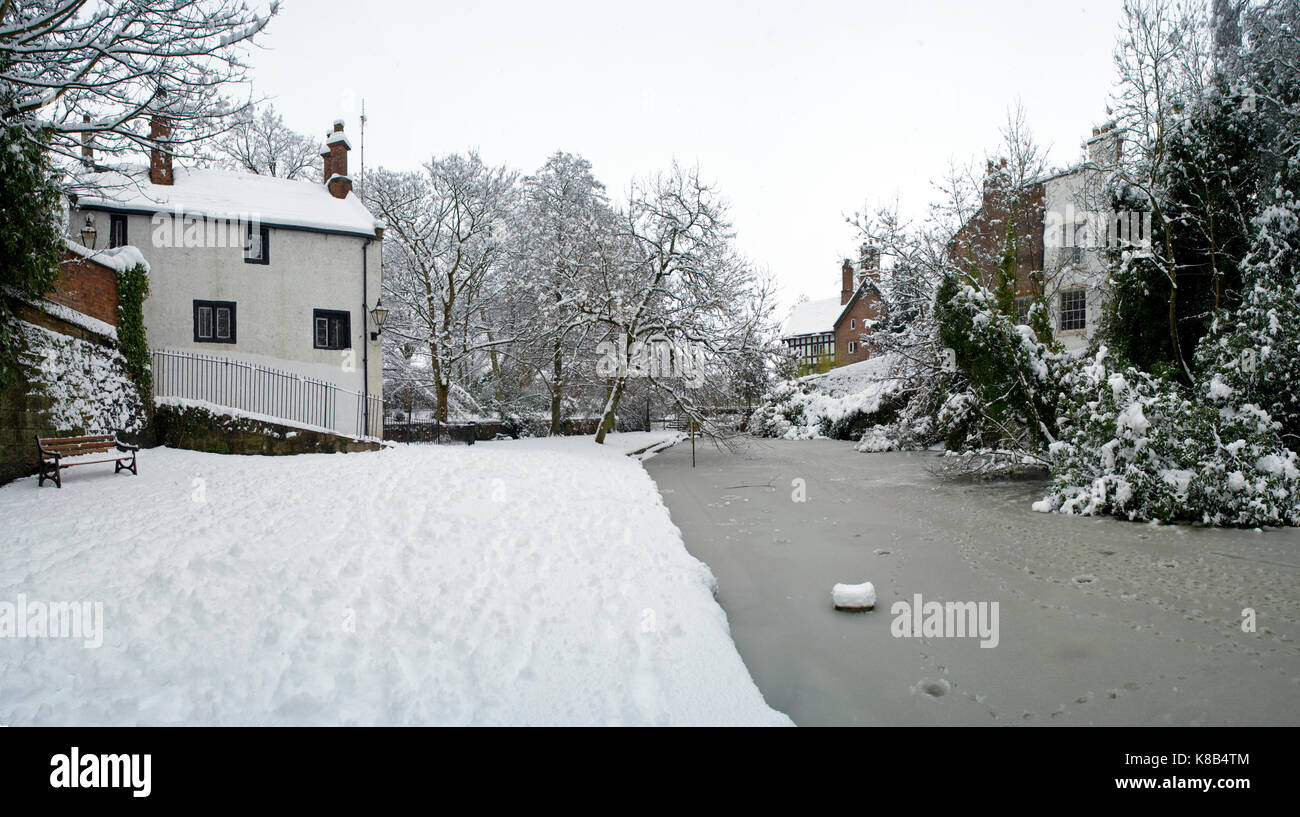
611	409
439	385
557	372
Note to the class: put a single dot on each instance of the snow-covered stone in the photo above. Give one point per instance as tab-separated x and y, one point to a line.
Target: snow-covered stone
854	596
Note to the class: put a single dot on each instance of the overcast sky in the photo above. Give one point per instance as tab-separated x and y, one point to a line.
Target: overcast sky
800	112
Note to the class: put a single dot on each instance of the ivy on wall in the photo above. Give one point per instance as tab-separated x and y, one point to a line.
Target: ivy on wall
132	289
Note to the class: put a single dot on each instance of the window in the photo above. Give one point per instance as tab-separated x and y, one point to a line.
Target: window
332	329
257	245
853	346
116	230
214	322
1074	309
853	323
1069	255
1022	309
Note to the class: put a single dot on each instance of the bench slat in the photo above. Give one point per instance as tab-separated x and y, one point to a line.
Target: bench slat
73	450
89	438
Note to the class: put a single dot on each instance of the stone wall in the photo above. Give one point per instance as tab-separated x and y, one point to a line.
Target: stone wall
198	429
23	417
24	409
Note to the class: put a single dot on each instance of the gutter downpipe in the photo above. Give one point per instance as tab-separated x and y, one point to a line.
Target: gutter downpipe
365	341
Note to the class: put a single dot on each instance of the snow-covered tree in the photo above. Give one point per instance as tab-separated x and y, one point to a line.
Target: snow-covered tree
674	278
445	241
30	231
1252	352
567	231
1164	65
260	142
101	68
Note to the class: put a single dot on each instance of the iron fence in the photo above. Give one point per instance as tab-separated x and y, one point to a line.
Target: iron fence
275	395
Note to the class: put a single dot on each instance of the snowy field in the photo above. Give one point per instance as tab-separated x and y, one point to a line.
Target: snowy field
530	582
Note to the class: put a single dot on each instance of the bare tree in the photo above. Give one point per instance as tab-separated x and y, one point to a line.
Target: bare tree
675	280
260	143
446	238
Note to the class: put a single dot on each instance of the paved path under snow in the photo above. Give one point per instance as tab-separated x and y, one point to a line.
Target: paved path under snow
1101	621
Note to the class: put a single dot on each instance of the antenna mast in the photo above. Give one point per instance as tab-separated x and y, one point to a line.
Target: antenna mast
362	186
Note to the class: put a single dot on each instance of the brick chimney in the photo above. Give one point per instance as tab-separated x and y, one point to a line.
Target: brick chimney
335	155
160	158
846	273
868	263
995	176
1105	146
87	145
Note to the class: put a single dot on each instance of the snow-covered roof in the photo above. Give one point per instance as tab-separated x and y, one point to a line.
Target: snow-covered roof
118	259
812	318
229	194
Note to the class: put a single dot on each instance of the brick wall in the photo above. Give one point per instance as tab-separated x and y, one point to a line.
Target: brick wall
866	307
983	237
87	287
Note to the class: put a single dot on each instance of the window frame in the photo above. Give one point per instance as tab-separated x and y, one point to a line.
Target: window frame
345	333
215	306
853	347
1024	305
1072	313
264	233
116	221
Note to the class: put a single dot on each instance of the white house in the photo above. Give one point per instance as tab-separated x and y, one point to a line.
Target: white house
1075	209
263	291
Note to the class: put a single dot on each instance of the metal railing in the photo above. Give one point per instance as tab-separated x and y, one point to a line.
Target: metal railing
432	431
254	389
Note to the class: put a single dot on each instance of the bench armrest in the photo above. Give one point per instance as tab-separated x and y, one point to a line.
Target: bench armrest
45	452
121	446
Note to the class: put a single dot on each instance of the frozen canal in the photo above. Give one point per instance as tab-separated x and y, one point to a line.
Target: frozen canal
1100	621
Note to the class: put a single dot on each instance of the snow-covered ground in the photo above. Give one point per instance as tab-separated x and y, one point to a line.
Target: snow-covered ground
530	582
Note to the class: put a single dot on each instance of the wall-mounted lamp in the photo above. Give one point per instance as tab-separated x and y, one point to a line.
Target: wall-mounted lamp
88	233
379	314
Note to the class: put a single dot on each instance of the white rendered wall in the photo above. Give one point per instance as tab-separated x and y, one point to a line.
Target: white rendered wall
273	302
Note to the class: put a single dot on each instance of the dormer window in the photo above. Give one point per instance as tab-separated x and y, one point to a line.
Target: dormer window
257	244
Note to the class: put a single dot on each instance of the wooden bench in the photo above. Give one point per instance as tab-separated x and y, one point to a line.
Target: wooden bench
55	449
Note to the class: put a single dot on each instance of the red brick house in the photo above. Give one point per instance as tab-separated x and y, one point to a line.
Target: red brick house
979	244
838	328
